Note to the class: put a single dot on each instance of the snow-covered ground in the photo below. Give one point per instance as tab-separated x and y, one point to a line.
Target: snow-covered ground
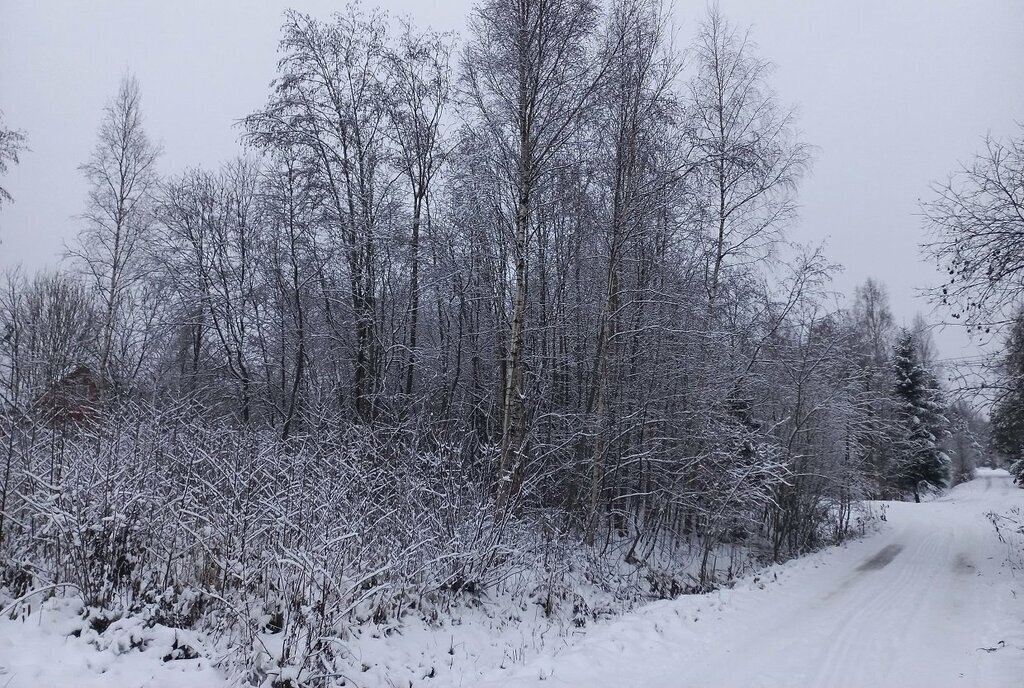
52	647
928	601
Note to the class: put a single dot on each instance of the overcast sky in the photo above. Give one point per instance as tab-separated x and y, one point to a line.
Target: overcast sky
892	94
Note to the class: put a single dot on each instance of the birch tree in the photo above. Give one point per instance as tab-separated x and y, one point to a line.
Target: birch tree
529	71
328	106
420	76
752	160
122	176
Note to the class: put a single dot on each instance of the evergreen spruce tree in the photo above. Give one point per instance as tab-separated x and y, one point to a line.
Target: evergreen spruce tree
1008	411
920	421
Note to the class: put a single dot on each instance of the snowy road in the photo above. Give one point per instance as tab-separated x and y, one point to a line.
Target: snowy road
928	601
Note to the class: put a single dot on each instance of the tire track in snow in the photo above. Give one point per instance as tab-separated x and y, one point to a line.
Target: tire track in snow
881	559
879	595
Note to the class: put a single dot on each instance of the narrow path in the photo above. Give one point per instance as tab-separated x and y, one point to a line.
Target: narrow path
929	601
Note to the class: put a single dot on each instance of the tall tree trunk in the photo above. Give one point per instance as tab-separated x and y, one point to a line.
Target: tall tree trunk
513	437
414	288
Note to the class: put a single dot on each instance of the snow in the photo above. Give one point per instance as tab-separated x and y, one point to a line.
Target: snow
39	650
930	600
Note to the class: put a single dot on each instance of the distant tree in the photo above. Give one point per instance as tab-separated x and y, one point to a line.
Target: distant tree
873	329
12	142
121	173
874	323
921	423
968	434
922	331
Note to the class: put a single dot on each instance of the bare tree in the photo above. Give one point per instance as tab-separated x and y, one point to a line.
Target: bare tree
875	325
976	225
752	160
529	72
420	78
637	112
48	330
122	177
328	106
211	250
12	143
290	205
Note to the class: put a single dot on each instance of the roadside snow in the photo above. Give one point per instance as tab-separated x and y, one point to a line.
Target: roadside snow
39	651
928	601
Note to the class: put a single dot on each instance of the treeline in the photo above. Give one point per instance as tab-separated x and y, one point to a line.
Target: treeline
448	319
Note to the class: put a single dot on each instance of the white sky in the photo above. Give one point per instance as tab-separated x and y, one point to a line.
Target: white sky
893	94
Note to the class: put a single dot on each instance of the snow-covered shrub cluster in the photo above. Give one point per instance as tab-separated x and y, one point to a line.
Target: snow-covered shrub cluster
1017	471
280	550
280	546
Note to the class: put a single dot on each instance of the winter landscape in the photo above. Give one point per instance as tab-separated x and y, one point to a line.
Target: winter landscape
510	343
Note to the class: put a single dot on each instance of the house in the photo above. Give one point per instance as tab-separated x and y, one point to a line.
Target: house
73	399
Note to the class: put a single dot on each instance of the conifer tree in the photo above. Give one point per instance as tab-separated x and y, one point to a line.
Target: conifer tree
1008	410
920	421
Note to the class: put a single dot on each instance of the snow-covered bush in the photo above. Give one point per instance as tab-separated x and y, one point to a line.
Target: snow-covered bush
1017	471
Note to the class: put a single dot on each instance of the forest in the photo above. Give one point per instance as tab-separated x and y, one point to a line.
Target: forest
510	312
